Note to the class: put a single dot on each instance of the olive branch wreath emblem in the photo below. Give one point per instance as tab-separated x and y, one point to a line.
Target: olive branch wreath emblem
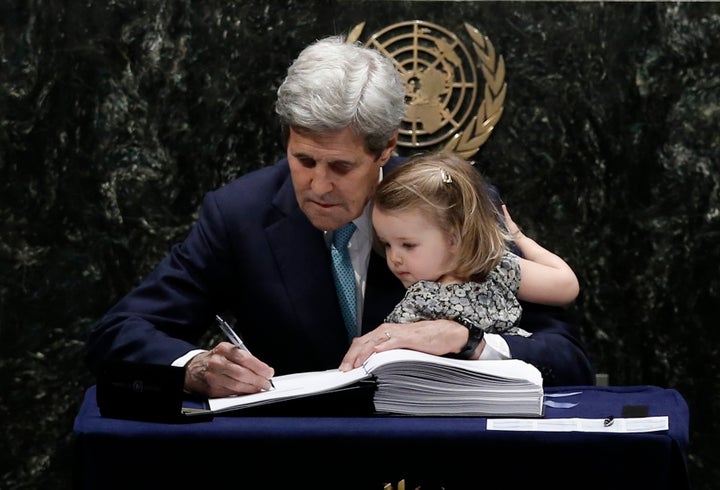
467	142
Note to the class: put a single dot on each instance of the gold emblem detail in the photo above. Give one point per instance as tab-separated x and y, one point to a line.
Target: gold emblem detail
442	84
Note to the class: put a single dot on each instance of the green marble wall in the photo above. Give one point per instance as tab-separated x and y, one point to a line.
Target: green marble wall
117	116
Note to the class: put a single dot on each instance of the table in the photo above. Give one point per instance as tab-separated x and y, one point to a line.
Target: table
386	451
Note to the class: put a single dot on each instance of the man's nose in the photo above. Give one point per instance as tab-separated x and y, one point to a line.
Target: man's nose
322	181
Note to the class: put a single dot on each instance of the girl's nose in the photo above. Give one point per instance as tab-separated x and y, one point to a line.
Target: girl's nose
394	257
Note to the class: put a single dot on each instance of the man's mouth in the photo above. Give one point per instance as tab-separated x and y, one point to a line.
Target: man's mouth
324	205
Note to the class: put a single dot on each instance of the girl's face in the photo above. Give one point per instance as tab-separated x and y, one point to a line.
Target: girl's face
415	248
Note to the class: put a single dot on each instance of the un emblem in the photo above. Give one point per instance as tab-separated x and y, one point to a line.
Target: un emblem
441	82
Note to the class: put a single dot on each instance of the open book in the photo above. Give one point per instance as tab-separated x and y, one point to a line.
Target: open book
407	382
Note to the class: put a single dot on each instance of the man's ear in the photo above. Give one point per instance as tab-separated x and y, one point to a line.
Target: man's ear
389	148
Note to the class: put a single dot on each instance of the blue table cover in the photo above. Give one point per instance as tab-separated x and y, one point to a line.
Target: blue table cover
379	452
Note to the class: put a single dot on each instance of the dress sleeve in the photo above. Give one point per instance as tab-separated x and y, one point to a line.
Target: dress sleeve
507	272
495	302
410	308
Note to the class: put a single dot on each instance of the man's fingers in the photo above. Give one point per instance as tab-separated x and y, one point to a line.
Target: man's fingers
226	370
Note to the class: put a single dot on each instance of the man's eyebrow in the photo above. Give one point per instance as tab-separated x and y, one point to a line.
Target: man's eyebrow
341	161
336	161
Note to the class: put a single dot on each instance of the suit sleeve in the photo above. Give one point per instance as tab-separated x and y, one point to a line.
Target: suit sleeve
554	346
164	316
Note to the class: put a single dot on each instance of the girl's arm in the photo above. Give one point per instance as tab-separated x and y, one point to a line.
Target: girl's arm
545	278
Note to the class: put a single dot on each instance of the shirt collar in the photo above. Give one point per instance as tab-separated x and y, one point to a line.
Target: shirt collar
363	222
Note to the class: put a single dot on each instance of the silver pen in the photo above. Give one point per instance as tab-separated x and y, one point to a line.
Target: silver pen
231	335
234	338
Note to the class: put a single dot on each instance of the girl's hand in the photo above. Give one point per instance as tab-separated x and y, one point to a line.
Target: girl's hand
512	228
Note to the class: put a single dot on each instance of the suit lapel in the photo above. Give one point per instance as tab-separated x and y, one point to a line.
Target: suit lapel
382	292
303	264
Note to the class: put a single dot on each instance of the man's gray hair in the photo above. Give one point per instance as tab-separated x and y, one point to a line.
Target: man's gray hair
333	85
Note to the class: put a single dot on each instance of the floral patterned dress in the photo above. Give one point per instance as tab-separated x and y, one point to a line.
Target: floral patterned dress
491	304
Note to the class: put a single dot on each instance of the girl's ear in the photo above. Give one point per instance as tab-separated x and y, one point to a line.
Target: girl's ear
453	244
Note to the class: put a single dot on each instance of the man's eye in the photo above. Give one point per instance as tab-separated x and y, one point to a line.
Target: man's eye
409	246
342	167
307	162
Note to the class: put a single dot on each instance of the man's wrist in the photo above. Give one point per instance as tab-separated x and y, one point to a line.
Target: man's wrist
475	337
183	360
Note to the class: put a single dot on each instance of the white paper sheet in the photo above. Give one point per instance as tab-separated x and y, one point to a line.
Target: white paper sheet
620	425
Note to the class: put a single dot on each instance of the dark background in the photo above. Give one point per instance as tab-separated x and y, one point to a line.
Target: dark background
117	116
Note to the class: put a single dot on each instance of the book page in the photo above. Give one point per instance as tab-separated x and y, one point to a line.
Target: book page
501	369
291	386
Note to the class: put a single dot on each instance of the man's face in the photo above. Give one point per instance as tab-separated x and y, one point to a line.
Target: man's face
333	174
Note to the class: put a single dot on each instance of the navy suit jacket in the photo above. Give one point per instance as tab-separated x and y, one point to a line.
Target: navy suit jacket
253	253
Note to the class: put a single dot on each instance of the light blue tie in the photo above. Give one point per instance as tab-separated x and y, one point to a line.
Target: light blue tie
345	276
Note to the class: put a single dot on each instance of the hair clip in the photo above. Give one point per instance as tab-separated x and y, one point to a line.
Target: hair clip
445	177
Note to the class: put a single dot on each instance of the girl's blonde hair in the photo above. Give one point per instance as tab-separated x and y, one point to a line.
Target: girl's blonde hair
452	194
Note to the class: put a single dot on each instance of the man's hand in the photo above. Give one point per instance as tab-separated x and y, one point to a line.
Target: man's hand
437	337
227	370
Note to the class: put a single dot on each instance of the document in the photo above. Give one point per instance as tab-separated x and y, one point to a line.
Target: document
620	425
407	382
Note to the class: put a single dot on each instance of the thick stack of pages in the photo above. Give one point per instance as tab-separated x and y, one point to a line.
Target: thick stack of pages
413	383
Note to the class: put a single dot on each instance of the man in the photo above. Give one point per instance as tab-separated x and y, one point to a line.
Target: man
260	251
